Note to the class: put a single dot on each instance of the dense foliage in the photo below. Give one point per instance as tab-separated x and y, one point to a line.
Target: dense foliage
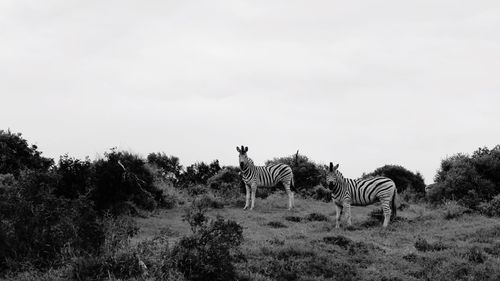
168	164
16	155
468	179
122	177
199	173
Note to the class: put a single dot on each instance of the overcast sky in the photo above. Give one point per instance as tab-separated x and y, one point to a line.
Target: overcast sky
360	83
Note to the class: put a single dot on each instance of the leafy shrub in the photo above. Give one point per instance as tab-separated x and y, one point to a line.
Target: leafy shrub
422	245
199	173
491	208
196	190
321	193
41	229
227	183
470	180
404	179
18	156
122	176
167	164
208	201
316	217
210	252
75	177
454	210
276	224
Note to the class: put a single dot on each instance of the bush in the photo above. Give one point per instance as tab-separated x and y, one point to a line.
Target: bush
44	230
491	208
321	193
17	155
122	176
211	251
454	210
199	173
470	180
75	177
227	183
196	190
208	201
404	179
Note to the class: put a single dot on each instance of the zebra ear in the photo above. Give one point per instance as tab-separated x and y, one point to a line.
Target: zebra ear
331	167
238	149
336	167
246	149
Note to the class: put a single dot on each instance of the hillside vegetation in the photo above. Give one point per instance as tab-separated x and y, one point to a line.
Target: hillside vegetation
128	217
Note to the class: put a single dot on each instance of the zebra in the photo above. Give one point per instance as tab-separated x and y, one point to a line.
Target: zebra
361	192
265	176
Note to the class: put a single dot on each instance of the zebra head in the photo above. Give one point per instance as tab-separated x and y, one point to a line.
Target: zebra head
243	156
333	176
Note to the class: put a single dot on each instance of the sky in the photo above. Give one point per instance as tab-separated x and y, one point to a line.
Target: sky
359	83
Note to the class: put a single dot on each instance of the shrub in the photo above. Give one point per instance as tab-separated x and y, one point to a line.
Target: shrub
211	251
41	229
208	201
75	177
199	173
454	210
167	164
196	190
122	176
491	208
17	155
470	180
321	193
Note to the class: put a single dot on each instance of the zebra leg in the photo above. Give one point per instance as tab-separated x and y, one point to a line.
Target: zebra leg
254	189
347	206
247	202
290	196
386	207
338	214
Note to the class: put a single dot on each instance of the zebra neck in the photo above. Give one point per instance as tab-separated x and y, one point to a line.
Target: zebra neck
337	189
248	169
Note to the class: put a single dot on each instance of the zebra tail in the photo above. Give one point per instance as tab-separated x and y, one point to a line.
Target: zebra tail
292	186
393	203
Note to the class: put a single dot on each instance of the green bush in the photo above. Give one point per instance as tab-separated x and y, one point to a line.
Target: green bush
454	210
211	251
471	180
40	229
491	208
321	193
17	155
75	177
199	173
121	177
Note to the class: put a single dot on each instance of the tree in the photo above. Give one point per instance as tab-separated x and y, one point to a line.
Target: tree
16	155
199	173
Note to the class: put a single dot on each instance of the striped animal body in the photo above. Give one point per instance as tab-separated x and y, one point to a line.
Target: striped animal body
264	176
361	192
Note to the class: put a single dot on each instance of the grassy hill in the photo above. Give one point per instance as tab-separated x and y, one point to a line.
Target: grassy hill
422	244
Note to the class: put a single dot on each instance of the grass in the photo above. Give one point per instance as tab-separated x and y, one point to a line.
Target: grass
303	244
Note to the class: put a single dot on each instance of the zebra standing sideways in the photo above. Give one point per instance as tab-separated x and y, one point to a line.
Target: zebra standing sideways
265	176
361	192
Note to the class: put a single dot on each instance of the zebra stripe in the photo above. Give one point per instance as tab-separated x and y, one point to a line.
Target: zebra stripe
264	176
361	192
